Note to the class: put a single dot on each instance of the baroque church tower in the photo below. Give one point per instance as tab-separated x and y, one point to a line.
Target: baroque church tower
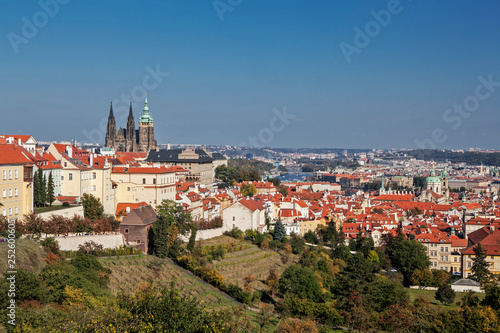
128	139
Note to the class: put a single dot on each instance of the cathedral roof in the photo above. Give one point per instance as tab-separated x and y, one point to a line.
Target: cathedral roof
172	155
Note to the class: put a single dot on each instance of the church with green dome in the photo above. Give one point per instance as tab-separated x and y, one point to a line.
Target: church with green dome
129	139
436	188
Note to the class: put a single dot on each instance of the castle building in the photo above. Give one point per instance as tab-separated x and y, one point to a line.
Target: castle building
129	139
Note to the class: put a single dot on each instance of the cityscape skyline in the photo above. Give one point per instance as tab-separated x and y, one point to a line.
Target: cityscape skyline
386	74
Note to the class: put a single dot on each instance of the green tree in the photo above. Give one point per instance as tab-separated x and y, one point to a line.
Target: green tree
248	190
50	190
192	238
470	299
276	181
92	207
297	243
480	271
37	188
363	245
407	256
310	237
492	297
45	193
300	281
175	214
279	230
283	190
445	294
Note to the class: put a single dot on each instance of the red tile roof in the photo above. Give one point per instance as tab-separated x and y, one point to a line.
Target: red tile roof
14	154
252	204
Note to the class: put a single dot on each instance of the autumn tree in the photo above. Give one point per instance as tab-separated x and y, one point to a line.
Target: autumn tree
272	281
248	190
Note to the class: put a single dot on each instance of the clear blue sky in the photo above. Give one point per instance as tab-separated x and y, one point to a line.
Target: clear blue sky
226	76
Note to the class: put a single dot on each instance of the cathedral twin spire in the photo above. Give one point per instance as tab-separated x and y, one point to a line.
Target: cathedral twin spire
129	139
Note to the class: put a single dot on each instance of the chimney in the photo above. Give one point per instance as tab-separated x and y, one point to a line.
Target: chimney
127	210
492	229
91	159
19	141
69	151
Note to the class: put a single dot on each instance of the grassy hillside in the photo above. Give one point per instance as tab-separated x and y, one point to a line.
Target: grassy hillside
252	260
29	255
429	296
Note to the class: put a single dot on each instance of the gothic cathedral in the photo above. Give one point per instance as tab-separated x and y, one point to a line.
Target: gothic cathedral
130	139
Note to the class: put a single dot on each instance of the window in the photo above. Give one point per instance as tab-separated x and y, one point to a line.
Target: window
492	258
15	192
62	177
138	241
4	212
126	230
128	188
144	180
455	259
10	174
15	174
10	211
15	210
154	180
65	164
468	264
4	193
10	192
234	217
70	176
94	176
4	175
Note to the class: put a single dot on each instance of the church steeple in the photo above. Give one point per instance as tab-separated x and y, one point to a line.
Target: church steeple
146	117
131	141
111	129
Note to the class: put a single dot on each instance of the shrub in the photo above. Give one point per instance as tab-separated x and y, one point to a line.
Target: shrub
65	204
445	294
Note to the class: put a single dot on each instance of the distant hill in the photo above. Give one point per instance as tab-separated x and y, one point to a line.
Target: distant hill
470	157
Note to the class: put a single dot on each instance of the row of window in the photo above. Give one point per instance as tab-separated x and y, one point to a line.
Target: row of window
88	175
4	193
16	211
168	180
4	174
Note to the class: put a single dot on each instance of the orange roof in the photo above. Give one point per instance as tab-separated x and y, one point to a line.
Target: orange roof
252	204
149	170
13	154
122	206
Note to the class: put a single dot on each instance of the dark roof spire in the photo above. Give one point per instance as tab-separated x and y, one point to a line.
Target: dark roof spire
111	111
130	113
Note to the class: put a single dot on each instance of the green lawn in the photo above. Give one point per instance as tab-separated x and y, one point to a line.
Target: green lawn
429	295
49	209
